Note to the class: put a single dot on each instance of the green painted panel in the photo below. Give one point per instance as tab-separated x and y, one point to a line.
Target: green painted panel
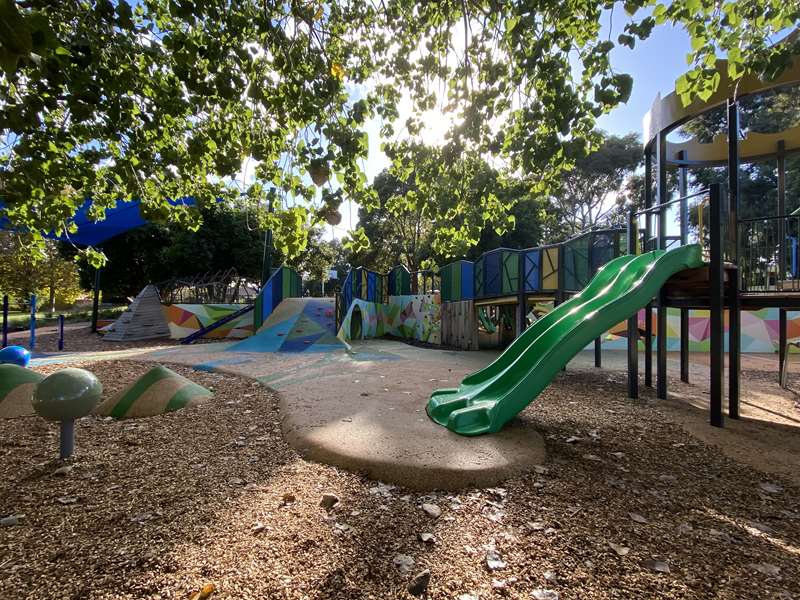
444	272
455	274
510	273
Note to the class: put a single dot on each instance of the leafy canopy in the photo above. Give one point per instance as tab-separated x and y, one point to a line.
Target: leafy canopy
173	98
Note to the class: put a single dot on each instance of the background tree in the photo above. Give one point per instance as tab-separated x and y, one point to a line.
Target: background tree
399	236
534	224
588	193
168	98
53	278
316	261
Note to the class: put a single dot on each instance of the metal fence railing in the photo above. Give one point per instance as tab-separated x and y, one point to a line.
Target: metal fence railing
768	254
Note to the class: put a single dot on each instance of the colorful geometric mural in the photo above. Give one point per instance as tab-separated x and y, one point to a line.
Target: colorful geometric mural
185	319
296	325
417	317
759	330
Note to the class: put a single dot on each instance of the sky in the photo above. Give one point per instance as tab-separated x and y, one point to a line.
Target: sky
654	64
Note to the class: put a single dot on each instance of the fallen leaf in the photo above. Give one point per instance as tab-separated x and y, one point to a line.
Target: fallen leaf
765	568
770	488
544	594
493	560
621	550
205	592
637	518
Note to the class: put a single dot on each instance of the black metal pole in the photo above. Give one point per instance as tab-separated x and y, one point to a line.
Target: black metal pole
661	324
560	293
782	356
633	322
716	293
782	210
734	321
648	234
683	191
523	304
60	332
734	346
266	266
96	300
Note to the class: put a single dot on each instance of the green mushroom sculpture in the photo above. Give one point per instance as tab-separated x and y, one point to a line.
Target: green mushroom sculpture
64	396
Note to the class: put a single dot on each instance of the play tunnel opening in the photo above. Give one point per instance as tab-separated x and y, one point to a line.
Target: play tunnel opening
356	326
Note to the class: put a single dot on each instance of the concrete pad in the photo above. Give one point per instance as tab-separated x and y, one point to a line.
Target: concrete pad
365	411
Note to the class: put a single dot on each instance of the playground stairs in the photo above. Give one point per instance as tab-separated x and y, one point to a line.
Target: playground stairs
143	319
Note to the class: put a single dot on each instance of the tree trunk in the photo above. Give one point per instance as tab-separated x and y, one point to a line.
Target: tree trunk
52	299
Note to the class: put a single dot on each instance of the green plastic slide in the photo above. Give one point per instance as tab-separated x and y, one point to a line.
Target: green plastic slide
487	399
485	320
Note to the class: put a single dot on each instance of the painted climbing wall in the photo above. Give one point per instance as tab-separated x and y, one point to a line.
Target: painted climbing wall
416	317
185	319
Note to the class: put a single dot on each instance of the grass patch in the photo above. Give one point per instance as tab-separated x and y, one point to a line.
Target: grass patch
18	321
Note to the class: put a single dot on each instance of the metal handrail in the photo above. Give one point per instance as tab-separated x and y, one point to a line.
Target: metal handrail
658	207
771	218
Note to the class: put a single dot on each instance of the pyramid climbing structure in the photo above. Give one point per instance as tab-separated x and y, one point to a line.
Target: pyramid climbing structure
296	325
143	319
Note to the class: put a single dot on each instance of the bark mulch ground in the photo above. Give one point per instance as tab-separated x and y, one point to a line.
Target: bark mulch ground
627	506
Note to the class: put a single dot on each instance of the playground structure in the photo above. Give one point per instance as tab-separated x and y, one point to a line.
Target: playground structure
749	267
751	264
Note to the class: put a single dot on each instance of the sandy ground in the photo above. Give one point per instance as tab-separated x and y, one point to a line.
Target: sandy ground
631	503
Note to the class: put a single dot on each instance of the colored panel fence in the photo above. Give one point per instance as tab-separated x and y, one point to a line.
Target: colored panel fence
549	266
510	272
531	271
283	283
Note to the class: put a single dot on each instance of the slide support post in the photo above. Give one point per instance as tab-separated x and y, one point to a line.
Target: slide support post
661	318
633	322
782	356
734	333
717	291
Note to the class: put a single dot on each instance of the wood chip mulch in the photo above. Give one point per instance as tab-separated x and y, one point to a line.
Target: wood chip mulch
627	506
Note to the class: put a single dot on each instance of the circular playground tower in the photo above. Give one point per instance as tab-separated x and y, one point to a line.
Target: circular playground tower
753	262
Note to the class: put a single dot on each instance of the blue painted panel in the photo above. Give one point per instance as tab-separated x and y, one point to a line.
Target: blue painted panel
491	274
266	301
467	280
531	274
277	287
347	291
371	287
